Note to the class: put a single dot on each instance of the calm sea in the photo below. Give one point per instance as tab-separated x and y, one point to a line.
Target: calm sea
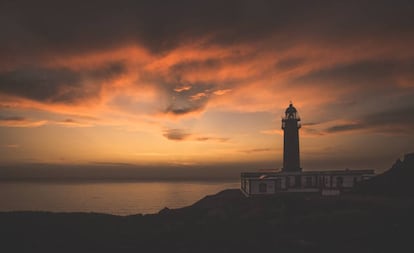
120	198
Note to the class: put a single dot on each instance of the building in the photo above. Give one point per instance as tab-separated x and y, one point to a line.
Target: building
291	178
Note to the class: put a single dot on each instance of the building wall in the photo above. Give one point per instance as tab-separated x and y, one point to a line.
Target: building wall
291	161
251	183
255	186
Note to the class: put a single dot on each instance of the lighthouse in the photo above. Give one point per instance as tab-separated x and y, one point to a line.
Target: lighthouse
292	178
290	126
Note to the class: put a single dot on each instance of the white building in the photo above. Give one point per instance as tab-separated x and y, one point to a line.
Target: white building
324	182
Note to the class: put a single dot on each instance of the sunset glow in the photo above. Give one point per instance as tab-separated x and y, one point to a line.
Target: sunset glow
117	86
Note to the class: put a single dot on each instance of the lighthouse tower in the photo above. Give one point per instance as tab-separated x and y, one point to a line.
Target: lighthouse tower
290	126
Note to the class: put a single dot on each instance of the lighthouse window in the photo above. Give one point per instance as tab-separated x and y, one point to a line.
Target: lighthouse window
262	187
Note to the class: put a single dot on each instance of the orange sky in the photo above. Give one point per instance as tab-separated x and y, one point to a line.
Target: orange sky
179	87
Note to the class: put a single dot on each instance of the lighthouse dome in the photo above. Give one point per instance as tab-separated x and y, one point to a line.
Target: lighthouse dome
290	109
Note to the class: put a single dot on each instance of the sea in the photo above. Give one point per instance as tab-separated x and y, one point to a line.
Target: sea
117	198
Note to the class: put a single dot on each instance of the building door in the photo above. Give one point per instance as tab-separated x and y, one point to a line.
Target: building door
298	181
278	184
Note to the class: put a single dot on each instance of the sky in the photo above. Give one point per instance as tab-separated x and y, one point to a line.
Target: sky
187	84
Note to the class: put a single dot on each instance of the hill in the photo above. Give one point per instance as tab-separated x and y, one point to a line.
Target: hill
397	181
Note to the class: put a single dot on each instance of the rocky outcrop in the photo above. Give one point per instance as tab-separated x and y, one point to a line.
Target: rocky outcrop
397	181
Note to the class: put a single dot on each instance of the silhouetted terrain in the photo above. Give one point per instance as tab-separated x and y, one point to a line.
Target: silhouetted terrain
229	222
396	181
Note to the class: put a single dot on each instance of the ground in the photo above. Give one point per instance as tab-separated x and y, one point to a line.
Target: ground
225	222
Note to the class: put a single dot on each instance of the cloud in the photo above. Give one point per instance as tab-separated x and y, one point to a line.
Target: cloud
221	92
258	51
154	63
186	101
73	123
345	127
361	75
309	124
272	132
17	121
182	88
41	84
179	109
176	134
57	85
395	121
11	146
256	150
311	132
164	26
198	96
209	138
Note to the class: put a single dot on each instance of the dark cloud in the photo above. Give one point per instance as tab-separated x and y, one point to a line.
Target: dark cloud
191	65
403	115
183	108
12	118
187	101
69	121
73	123
176	134
396	121
363	75
107	72
256	150
290	63
208	138
18	121
30	27
312	131
309	124
42	84
345	127
58	85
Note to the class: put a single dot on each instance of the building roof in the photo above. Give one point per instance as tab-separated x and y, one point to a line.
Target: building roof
305	173
290	109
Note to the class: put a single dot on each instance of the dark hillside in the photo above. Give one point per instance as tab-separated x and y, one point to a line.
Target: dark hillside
397	181
225	222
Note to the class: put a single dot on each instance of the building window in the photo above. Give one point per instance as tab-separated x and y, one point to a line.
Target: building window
262	187
308	182
326	180
355	180
339	182
278	184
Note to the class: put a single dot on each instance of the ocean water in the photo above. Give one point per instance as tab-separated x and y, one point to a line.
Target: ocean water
119	198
